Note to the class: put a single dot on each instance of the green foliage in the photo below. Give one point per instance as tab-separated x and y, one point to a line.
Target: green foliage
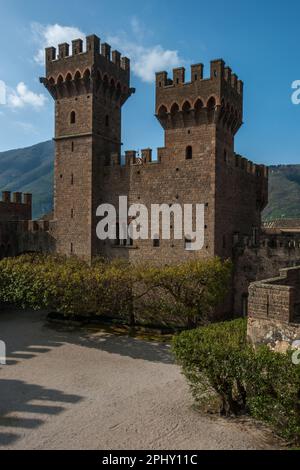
217	360
188	291
284	192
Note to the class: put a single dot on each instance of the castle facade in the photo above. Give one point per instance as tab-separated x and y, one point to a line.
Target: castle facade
197	165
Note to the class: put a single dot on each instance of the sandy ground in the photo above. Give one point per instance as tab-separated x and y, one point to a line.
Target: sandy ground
65	388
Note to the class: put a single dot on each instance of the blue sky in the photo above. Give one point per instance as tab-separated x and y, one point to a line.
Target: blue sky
259	40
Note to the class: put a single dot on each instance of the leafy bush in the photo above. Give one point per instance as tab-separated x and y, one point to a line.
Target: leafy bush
218	362
188	292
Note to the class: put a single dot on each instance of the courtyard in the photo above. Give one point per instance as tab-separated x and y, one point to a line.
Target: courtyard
66	387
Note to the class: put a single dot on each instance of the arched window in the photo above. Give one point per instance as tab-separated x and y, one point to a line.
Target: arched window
162	112
189	152
73	117
174	108
186	106
211	104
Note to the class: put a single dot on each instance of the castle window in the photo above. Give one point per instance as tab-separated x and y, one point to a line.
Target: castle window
72	178
195	77
73	117
72	147
107	120
255	235
189	152
122	242
224	241
72	213
71	248
225	156
188	243
156	241
117	240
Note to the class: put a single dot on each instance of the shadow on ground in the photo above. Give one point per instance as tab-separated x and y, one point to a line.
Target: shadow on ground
28	398
27	335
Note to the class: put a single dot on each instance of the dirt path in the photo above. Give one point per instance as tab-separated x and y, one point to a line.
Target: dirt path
74	389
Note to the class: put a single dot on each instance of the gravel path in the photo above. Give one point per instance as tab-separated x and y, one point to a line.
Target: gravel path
65	388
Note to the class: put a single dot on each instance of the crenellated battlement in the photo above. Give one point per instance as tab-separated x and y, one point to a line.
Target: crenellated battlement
55	57
16	198
145	156
260	171
218	98
16	206
85	71
218	73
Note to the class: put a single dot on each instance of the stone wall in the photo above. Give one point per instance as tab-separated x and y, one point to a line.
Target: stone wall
277	335
17	207
274	313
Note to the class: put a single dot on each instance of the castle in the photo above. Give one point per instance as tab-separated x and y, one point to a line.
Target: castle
197	164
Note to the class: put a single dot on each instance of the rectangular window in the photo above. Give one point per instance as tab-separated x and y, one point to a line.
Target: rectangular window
156	242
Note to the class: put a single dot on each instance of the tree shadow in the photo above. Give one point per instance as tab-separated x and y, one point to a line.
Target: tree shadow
125	346
37	336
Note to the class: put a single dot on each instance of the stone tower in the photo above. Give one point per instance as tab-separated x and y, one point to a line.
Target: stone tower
200	119
89	88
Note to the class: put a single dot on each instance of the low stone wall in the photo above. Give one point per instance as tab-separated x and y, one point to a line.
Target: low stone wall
277	298
274	310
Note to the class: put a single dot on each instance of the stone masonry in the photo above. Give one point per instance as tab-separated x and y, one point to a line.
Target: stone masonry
197	165
274	310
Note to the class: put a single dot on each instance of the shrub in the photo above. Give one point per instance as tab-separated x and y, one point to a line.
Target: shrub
186	293
189	291
218	361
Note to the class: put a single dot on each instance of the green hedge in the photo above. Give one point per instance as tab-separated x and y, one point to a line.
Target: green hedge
186	293
220	365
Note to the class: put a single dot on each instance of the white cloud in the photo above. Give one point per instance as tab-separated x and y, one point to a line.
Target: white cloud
22	96
145	61
2	92
52	35
27	127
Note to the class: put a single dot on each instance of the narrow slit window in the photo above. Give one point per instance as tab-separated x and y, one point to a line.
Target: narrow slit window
189	152
73	117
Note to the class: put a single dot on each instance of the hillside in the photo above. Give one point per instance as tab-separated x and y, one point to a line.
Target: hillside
31	170
284	192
